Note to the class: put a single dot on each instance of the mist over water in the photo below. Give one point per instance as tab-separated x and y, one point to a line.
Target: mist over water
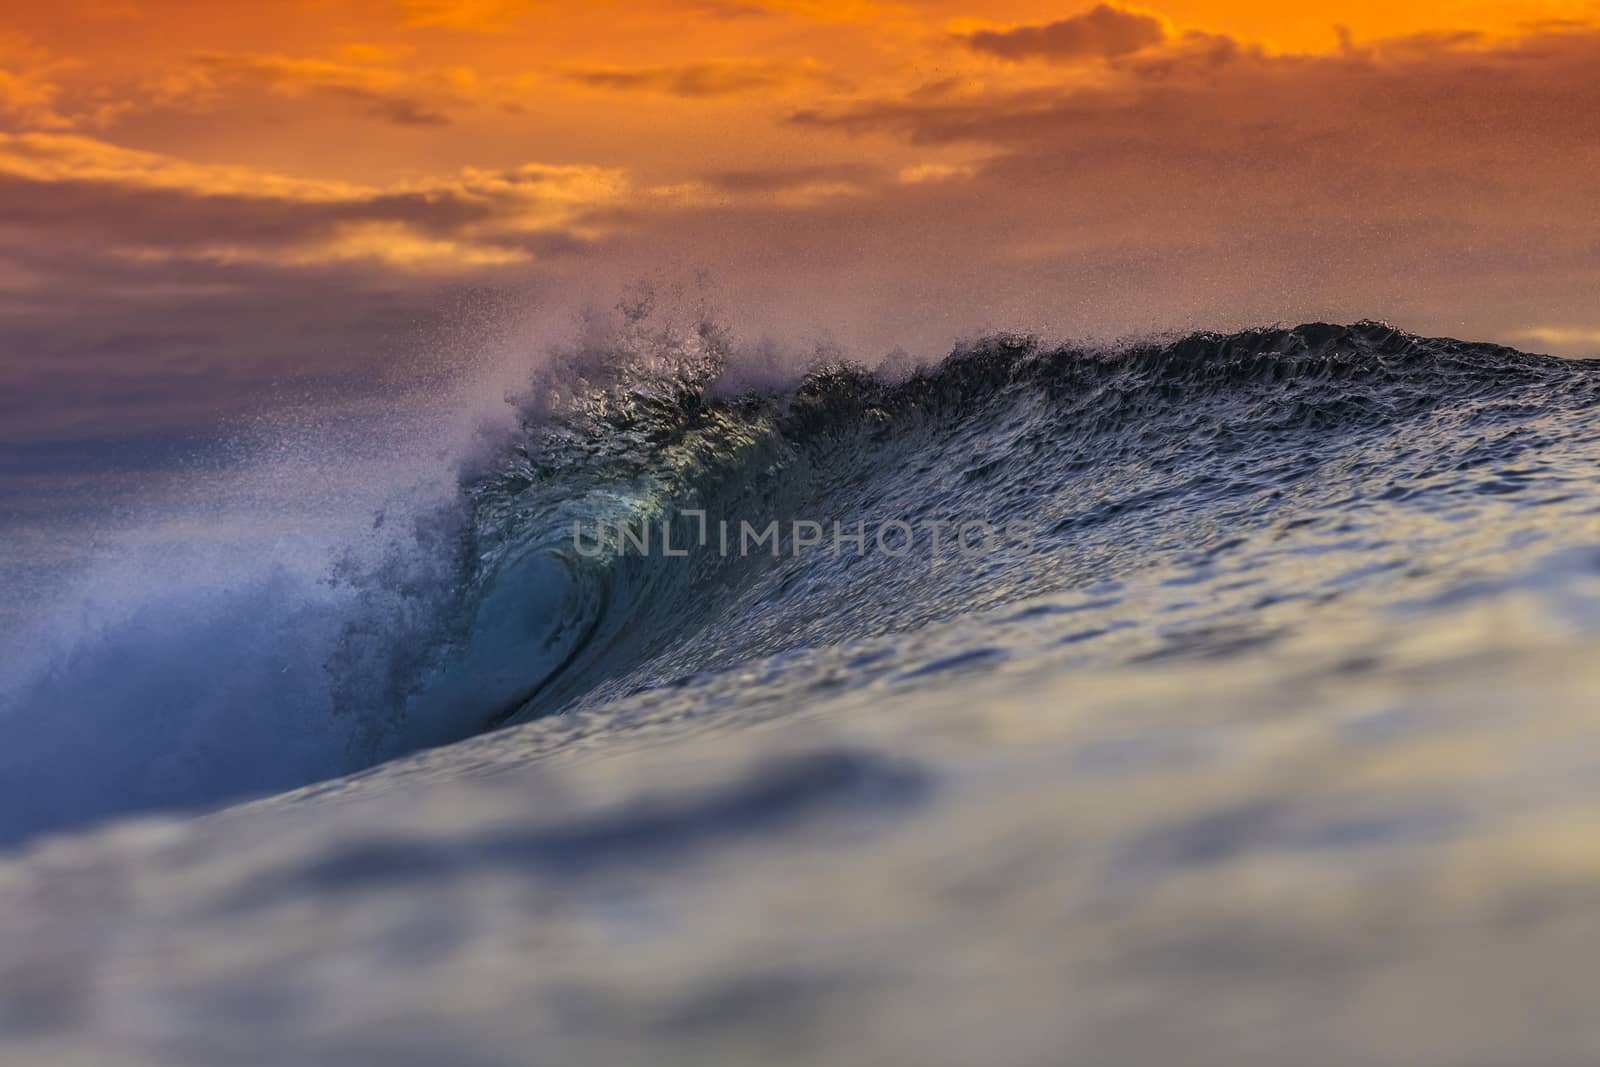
184	661
262	611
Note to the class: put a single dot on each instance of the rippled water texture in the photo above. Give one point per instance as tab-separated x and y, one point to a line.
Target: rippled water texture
1279	744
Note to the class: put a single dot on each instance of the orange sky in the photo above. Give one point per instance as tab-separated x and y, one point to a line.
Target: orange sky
195	196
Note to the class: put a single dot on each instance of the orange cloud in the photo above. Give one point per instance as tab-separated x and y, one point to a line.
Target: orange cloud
1579	340
29	93
156	207
393	245
384	93
924	173
30	100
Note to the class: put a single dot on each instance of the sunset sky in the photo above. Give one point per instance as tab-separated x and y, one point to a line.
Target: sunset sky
200	200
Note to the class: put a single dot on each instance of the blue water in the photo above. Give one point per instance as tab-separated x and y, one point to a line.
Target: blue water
1276	738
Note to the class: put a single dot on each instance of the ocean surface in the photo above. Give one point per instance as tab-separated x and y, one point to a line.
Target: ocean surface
1254	720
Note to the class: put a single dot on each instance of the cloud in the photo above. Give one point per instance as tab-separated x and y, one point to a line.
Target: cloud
1442	181
1103	31
784	187
389	94
1413	102
1445	182
29	99
142	293
152	207
372	84
400	111
924	173
854	175
1563	337
63	158
724	77
29	91
388	243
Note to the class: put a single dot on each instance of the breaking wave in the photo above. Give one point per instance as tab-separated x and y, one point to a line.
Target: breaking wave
211	678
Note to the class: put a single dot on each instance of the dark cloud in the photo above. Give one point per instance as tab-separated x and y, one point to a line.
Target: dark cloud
716	78
1415	101
775	181
113	215
1102	31
63	192
393	109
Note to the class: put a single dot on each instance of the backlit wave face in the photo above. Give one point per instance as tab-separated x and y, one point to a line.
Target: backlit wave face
179	180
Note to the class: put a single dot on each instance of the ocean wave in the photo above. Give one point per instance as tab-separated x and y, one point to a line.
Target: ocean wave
482	611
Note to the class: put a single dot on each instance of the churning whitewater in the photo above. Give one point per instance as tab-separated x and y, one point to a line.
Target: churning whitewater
1304	628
